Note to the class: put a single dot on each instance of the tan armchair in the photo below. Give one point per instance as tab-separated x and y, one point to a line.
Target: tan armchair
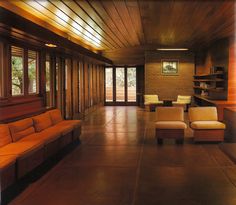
183	101
205	124
170	124
151	101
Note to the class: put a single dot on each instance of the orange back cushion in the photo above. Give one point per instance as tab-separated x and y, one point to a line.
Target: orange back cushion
5	136
42	122
55	116
21	128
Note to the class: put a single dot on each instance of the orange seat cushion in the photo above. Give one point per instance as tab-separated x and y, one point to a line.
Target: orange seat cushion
74	123
46	136
42	122
55	116
21	128
5	136
64	128
6	161
21	149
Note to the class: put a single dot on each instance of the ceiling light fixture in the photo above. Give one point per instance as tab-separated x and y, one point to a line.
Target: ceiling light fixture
50	45
172	49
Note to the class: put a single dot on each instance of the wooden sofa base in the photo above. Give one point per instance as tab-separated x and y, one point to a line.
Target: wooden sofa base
8	176
76	134
28	163
51	148
208	135
177	134
65	140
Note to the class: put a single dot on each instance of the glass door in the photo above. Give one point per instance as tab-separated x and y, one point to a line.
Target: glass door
109	84
120	85
131	84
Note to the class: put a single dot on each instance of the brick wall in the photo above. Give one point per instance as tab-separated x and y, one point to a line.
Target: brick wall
169	86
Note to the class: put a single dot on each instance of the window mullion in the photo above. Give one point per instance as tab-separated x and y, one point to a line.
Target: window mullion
25	72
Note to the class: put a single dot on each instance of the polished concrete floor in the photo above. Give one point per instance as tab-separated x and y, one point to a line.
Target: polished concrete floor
119	163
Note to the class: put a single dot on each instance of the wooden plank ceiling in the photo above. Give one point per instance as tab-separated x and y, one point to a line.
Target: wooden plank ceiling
124	29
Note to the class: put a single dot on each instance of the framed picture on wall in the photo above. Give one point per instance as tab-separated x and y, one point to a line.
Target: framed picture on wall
169	67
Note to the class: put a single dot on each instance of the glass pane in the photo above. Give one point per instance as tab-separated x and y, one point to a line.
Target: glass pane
17	71
48	82
131	83
120	84
32	71
109	84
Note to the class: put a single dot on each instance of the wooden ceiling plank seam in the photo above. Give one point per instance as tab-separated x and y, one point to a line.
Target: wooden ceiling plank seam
144	36
50	19
102	37
86	5
103	30
77	28
81	25
113	27
136	19
113	34
116	22
126	20
122	24
25	1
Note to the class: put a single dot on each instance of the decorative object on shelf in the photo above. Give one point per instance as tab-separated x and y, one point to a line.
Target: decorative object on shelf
170	67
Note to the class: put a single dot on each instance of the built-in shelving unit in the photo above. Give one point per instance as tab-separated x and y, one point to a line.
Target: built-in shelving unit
212	85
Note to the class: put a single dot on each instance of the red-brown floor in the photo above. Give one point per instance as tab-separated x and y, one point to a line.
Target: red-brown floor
119	163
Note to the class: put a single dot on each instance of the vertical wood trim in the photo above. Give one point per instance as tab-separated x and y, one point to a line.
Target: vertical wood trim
41	77
114	83
126	89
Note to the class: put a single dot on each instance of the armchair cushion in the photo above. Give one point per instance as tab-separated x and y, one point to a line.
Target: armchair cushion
170	125
5	136
183	99
207	125
203	114
149	99
41	122
170	114
21	128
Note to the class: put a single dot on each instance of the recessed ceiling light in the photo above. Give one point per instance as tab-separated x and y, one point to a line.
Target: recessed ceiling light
50	45
172	49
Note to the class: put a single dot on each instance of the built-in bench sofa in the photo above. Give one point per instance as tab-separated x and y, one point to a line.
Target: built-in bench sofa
26	143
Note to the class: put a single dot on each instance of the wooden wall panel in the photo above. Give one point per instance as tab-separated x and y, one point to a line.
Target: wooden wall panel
169	86
86	86
215	55
75	86
232	70
22	108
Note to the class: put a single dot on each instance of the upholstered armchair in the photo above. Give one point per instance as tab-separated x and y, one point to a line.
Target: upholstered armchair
151	101
205	124
183	101
170	124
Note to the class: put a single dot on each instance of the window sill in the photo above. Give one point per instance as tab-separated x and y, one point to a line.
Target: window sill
16	100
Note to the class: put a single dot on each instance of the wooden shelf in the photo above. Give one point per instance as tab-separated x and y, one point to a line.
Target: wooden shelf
209	89
209	80
209	75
